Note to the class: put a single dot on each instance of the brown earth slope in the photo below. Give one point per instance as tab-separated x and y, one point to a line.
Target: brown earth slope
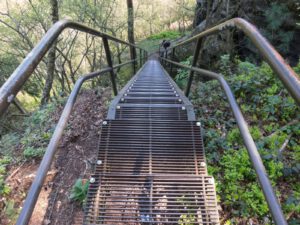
74	159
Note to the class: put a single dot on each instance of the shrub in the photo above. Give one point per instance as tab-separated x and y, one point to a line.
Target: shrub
38	132
4	189
79	191
273	120
171	34
182	76
32	152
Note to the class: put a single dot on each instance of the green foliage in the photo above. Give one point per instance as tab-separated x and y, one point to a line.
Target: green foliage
277	16
4	162
273	104
7	65
182	75
226	65
171	34
10	211
34	135
273	119
239	188
124	75
152	43
292	203
31	152
38	132
79	191
8	143
189	217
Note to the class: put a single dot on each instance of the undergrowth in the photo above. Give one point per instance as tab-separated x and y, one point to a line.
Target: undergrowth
27	142
273	118
33	133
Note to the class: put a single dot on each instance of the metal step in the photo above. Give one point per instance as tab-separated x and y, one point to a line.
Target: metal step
151	199
143	147
154	113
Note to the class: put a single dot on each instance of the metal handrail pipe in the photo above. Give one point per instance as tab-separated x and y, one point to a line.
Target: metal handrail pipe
45	164
124	64
285	73
255	158
14	83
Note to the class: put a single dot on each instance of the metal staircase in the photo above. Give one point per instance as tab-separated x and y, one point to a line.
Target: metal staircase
151	164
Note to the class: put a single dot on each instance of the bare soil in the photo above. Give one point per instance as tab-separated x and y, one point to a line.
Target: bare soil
74	159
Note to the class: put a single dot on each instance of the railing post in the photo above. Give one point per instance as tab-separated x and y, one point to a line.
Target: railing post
164	57
172	58
133	57
141	57
110	64
195	58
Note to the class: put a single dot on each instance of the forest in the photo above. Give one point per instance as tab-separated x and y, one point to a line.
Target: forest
272	114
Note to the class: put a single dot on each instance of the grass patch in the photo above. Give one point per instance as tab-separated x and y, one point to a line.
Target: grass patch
171	34
151	44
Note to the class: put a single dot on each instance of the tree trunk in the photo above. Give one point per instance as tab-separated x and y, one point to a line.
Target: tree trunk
131	27
51	58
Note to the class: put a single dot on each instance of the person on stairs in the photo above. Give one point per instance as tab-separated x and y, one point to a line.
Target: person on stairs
166	45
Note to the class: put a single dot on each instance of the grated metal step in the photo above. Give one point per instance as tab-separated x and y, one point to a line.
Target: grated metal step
152	199
150	112
151	100
143	147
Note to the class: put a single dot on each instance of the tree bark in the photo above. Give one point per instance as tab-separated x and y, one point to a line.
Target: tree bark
51	58
131	27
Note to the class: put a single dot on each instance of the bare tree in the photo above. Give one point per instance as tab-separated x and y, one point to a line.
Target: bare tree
131	27
51	58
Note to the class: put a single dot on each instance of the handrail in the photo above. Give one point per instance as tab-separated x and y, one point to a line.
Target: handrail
45	164
255	158
15	82
288	77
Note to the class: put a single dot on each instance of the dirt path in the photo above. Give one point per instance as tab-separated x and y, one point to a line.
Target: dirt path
76	156
74	159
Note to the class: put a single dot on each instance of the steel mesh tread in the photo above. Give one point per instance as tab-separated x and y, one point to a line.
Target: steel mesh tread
151	199
129	113
142	147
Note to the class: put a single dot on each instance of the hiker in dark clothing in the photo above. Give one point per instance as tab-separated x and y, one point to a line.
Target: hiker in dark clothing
166	45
